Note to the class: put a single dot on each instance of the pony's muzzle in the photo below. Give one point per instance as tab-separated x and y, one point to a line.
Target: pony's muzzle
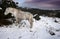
5	13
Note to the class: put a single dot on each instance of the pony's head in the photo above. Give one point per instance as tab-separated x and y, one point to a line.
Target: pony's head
8	10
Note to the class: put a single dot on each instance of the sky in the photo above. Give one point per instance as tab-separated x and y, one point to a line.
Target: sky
41	4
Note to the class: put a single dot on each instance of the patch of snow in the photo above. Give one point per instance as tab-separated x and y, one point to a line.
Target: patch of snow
40	30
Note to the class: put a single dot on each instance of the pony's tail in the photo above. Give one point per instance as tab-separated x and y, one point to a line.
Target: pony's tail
36	16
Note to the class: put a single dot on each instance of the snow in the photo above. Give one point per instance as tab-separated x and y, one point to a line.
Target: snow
41	29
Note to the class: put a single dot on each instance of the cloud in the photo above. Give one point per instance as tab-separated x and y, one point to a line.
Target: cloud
57	3
28	0
44	4
50	4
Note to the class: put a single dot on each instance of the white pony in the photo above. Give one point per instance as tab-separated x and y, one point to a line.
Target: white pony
20	15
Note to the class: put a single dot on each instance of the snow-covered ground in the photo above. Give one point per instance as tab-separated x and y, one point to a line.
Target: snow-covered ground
45	28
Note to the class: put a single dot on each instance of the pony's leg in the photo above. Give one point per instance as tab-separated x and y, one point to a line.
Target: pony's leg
31	23
13	20
20	22
17	21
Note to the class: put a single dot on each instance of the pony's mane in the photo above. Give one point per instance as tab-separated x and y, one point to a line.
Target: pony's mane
14	8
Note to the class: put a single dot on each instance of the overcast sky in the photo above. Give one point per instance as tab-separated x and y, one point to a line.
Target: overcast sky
42	4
